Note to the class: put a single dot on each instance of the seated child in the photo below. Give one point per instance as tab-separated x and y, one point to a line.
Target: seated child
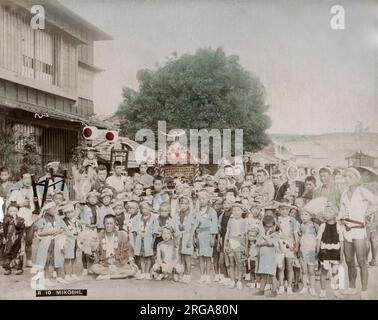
167	262
13	227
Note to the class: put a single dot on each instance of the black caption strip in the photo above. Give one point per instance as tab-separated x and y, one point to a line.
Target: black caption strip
61	293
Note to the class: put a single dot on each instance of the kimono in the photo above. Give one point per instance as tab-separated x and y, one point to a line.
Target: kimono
288	228
112	258
90	216
206	228
13	234
51	245
75	227
186	228
159	198
144	233
307	250
268	255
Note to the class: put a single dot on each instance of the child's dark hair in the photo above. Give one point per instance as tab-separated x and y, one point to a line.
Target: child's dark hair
101	167
117	163
4	169
310	179
109	216
158	178
268	220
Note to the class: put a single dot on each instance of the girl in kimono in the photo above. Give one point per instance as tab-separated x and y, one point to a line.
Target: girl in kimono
207	229
70	254
187	221
236	245
52	231
268	250
89	216
144	228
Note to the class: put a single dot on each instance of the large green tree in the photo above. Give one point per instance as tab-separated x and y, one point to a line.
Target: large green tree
205	90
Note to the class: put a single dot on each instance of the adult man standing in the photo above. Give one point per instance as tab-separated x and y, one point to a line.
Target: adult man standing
328	188
145	178
277	181
264	186
23	198
117	180
114	258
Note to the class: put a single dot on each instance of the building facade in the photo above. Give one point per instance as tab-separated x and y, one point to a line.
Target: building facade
46	76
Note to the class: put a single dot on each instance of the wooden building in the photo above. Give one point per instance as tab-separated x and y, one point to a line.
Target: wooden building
46	76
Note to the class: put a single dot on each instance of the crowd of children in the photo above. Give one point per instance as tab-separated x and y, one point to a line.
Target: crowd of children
245	229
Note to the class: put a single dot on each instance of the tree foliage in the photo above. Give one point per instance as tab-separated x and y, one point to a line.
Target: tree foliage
205	90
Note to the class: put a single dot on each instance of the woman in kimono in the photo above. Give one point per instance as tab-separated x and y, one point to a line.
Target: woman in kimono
187	221
52	232
144	228
207	229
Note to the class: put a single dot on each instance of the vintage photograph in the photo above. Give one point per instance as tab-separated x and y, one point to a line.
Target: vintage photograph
191	150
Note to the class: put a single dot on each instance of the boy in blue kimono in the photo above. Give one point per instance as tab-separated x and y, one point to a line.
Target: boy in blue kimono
89	215
144	228
268	251
160	196
207	229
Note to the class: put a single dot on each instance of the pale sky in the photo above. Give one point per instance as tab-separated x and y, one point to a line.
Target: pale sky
317	79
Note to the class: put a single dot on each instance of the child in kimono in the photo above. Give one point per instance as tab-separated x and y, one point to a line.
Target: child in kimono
167	262
207	229
119	212
236	245
89	216
252	261
307	251
268	252
52	233
132	210
186	220
105	209
289	242
144	228
330	249
70	249
13	227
